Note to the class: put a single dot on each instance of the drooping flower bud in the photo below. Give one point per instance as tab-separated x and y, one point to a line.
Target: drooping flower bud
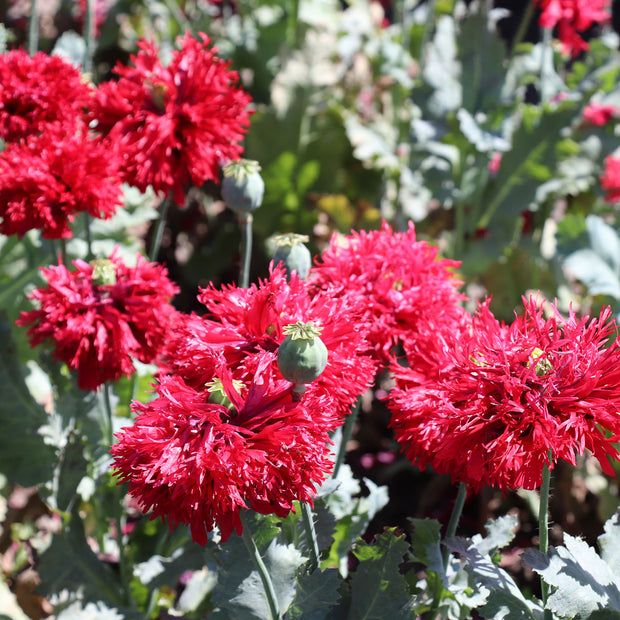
104	272
242	185
291	251
302	356
217	392
543	366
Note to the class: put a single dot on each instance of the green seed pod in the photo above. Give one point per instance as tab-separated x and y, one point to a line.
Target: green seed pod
242	185
104	272
302	356
291	251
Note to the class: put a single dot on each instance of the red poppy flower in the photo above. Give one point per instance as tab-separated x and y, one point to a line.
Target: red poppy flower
98	326
505	396
610	179
572	17
407	292
37	91
46	181
200	461
175	124
242	322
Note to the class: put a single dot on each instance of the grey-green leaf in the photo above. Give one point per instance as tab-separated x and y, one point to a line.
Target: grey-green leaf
583	581
378	590
24	457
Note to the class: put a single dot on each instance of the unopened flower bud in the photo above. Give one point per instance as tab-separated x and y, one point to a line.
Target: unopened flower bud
543	366
302	356
242	185
104	272
291	251
217	393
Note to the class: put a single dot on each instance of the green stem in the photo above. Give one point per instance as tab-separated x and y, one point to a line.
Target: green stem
543	530
89	36
270	594
313	543
63	252
428	32
245	221
546	62
455	517
159	229
457	510
118	500
347	430
89	239
33	29
292	27
523	25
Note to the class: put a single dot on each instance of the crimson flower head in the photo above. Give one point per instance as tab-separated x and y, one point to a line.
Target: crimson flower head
244	322
175	124
47	180
37	91
599	114
572	17
101	316
200	456
509	399
408	292
610	179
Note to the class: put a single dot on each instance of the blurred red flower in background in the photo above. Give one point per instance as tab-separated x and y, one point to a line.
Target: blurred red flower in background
599	114
173	125
506	396
97	328
572	17
610	179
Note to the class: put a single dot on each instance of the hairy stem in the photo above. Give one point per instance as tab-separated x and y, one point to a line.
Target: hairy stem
313	543
159	230
245	222
543	529
270	594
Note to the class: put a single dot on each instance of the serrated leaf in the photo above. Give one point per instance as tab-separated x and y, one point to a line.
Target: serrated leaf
583	582
240	592
317	592
425	542
72	468
24	457
591	270
70	564
525	165
95	611
500	532
604	241
481	53
159	571
441	69
200	584
609	543
378	590
505	599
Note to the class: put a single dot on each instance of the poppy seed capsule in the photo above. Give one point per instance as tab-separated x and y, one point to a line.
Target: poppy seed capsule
302	356
242	185
291	251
